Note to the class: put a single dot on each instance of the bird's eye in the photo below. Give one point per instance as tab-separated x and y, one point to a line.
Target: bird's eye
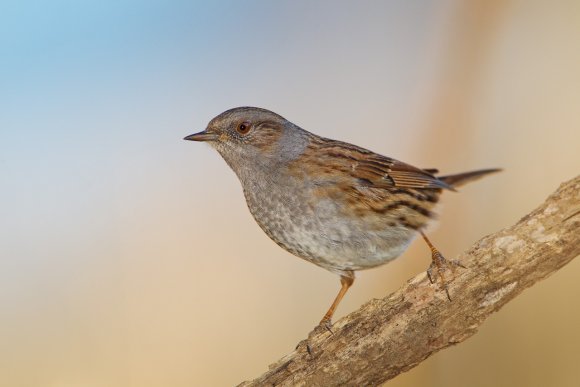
244	127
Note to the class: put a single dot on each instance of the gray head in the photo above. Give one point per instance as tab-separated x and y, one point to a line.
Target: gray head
251	138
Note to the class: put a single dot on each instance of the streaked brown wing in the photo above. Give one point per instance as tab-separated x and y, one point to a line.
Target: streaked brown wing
340	159
407	176
369	184
381	170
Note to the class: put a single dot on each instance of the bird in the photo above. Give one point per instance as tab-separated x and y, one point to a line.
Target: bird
334	204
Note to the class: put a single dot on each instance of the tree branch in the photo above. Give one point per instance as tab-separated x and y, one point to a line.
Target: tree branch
388	336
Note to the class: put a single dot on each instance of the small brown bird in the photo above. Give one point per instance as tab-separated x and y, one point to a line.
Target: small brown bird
337	205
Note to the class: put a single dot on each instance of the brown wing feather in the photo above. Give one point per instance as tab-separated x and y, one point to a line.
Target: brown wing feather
364	165
399	174
407	176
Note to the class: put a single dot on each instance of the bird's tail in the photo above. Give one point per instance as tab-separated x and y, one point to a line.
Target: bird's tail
466	177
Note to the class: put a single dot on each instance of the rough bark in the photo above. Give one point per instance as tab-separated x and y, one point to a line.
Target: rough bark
388	336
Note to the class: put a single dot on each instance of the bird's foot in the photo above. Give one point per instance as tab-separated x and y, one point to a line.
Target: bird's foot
325	326
438	267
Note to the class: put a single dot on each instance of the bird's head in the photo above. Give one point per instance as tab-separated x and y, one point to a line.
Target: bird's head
250	137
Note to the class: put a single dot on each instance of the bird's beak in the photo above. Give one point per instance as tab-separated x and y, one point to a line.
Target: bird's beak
202	136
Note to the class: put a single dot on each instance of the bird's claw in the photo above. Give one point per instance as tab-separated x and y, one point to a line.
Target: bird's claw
438	267
325	326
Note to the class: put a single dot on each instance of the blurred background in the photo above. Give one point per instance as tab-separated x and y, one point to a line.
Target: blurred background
127	255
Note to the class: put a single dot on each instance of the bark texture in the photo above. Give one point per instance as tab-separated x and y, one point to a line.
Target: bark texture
388	336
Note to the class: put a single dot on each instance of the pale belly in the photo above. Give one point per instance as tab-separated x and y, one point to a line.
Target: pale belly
323	235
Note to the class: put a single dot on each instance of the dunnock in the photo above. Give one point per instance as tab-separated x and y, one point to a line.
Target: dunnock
334	204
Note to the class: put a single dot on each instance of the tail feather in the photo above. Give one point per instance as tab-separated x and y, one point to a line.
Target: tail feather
466	177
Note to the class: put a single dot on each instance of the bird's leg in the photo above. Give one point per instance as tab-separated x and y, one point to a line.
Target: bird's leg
439	264
346	280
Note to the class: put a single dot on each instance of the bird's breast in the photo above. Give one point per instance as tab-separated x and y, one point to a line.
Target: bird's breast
320	227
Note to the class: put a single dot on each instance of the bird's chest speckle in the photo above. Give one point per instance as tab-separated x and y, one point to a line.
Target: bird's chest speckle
317	229
285	216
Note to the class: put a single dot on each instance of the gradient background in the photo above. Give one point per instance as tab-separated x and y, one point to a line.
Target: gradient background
128	257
